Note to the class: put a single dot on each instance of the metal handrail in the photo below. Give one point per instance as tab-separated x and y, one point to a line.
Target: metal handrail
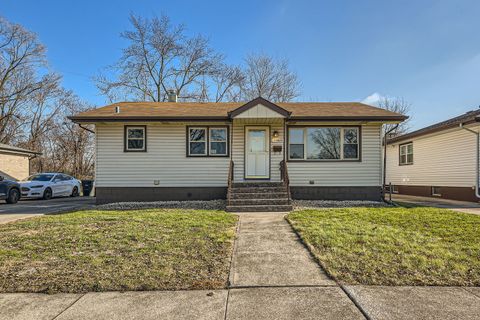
230	180
285	178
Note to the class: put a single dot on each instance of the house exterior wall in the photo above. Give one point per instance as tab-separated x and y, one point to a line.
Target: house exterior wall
132	176
14	166
165	159
445	159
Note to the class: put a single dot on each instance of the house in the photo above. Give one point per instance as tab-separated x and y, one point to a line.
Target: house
195	151
15	162
437	161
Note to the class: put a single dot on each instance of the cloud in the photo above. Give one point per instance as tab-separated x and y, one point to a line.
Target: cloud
373	99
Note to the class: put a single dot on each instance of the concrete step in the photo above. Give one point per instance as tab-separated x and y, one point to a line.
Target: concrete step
257	184
258	189
262	195
260	208
256	202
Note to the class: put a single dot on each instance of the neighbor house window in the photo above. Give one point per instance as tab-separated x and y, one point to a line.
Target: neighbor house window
207	141
436	191
324	143
135	138
406	153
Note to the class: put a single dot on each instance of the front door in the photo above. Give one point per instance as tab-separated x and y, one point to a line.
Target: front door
257	153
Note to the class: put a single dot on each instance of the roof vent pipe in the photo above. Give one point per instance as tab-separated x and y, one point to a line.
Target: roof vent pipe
117	109
172	95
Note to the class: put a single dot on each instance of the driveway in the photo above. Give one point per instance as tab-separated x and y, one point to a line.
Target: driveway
462	206
30	208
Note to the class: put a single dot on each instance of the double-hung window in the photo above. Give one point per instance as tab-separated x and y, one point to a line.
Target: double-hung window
197	141
217	141
323	143
406	153
135	138
207	141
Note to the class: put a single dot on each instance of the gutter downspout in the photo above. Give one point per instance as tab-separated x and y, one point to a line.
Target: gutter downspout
477	183
385	159
84	128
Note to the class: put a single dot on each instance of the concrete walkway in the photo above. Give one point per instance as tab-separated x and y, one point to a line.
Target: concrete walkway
461	206
272	277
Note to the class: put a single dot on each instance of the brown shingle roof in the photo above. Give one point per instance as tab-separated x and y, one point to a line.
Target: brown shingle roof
466	118
151	111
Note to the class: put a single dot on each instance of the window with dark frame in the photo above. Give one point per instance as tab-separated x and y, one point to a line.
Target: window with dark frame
207	141
406	154
323	143
436	191
135	138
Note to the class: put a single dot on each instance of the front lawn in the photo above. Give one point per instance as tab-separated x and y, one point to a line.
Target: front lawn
117	250
394	246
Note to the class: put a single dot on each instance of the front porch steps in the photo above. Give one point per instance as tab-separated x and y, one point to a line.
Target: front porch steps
258	197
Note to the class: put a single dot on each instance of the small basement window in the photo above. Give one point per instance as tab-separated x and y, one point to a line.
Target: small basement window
135	138
394	189
436	192
406	154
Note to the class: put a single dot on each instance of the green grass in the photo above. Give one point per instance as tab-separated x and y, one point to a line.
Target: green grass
394	246
117	250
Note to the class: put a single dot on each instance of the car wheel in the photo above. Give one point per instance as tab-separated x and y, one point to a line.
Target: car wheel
13	196
47	194
74	192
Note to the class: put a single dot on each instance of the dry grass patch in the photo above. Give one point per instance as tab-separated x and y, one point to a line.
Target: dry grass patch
394	246
117	250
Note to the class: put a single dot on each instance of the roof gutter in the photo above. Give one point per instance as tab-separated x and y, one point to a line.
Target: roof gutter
477	162
224	119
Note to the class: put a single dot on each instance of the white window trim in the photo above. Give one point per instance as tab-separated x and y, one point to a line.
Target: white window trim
405	147
204	141
224	141
342	142
142	138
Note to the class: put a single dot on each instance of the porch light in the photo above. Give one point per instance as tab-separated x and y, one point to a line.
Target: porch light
276	134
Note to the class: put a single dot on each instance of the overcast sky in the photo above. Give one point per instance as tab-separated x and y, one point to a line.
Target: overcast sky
427	52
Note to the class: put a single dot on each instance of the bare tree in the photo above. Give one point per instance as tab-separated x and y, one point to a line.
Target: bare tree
22	57
224	84
398	105
65	146
159	57
269	78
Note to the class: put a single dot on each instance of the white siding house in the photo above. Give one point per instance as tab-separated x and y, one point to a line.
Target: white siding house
179	151
443	160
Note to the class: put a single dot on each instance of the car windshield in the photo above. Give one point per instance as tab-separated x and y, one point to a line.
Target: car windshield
40	177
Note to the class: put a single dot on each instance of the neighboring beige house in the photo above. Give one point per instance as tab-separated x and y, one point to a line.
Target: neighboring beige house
148	151
437	161
15	162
